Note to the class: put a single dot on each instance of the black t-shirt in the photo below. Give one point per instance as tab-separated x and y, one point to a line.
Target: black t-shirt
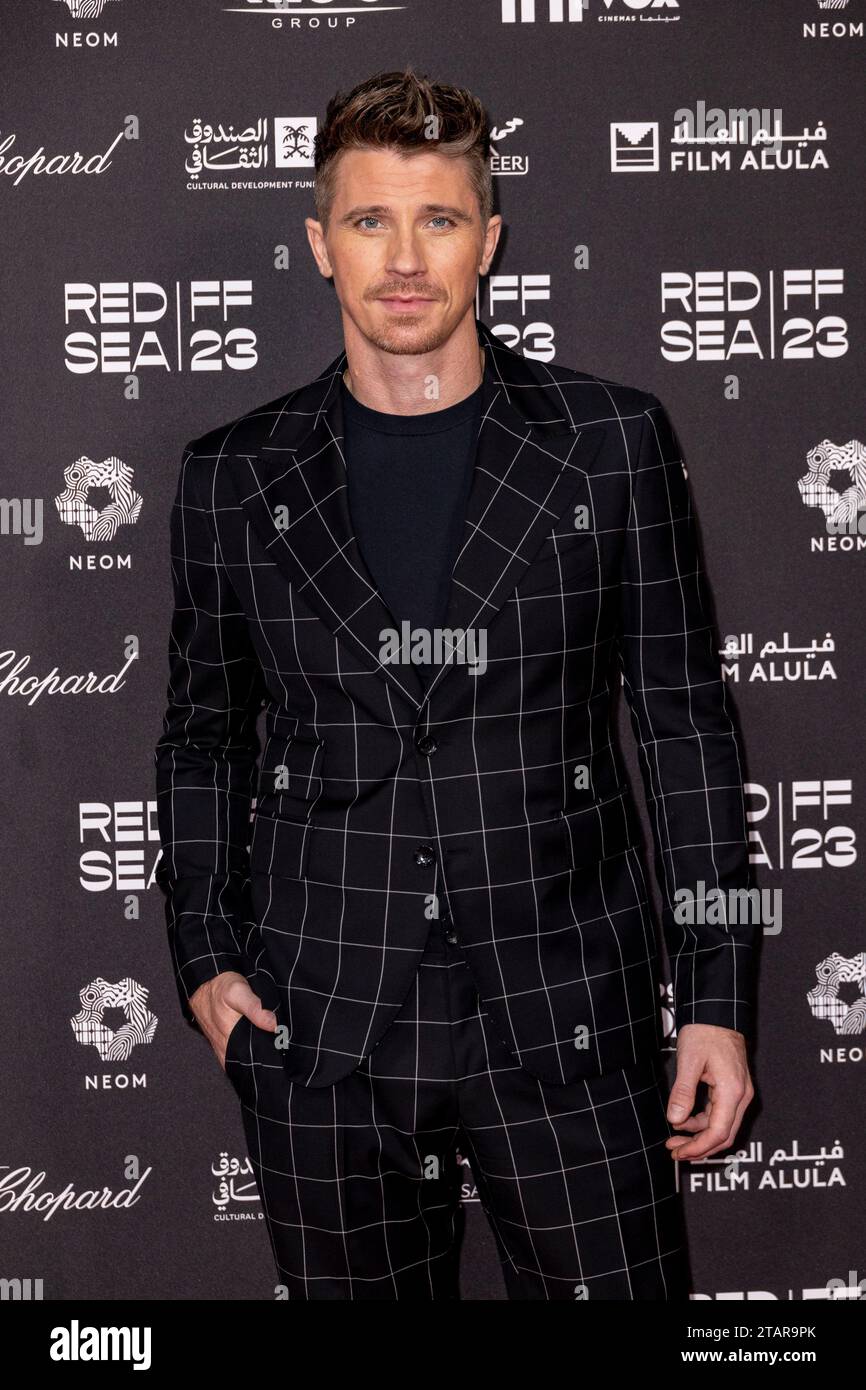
408	483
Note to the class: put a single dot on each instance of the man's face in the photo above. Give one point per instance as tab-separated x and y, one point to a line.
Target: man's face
405	246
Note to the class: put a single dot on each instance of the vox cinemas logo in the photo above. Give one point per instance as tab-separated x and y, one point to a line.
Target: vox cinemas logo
300	14
728	315
571	11
556	11
128	326
223	157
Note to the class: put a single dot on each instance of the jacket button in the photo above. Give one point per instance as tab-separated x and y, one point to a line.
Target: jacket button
425	855
427	745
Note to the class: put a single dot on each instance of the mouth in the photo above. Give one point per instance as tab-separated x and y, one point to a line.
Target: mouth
399	301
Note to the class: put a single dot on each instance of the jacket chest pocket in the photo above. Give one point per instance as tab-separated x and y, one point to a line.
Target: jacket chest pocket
601	829
290	782
563	561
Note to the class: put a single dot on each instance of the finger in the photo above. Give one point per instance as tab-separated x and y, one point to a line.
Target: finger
240	998
699	1120
748	1096
725	1103
262	1017
711	1142
682	1096
675	1144
695	1123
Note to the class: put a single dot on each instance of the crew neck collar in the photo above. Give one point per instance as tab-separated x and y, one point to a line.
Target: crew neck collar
429	422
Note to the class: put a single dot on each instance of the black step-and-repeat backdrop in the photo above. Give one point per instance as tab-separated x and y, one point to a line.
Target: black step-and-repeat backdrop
682	183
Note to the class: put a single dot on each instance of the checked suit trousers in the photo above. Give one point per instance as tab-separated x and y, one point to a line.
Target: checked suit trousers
360	1186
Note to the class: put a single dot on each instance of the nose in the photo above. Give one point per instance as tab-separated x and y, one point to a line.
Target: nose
405	255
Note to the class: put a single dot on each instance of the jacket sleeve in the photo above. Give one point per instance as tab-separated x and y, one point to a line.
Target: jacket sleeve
206	756
688	746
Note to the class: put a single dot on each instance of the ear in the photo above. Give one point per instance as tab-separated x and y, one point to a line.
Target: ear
491	240
316	238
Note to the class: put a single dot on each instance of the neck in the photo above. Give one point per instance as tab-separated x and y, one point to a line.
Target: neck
400	384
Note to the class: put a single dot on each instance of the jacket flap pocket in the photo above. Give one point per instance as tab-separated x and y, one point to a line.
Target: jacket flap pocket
601	829
290	767
280	847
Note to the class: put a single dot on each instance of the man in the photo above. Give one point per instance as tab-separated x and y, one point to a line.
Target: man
434	566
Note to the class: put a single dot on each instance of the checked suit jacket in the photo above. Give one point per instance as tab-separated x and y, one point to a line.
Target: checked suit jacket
314	857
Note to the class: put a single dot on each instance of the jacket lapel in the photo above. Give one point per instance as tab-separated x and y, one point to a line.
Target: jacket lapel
530	467
294	491
531	463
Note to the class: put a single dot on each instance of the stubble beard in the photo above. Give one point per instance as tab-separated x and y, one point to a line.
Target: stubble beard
408	340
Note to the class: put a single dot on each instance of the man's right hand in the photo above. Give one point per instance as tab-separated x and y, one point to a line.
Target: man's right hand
220	1002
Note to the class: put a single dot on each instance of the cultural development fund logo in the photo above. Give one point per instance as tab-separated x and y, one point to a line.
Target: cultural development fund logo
845	509
75	506
216	151
91	1030
835	972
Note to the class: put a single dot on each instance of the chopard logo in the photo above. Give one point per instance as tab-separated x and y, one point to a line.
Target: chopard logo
56	684
40	163
47	1203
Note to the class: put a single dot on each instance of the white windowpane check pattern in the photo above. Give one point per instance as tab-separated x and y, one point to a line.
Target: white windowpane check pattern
378	804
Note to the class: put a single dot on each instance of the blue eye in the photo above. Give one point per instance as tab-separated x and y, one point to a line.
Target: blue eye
370	217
